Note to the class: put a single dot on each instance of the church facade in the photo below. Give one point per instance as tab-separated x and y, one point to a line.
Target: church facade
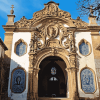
53	56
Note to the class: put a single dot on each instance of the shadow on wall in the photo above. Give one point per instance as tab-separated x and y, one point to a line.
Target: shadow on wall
6	66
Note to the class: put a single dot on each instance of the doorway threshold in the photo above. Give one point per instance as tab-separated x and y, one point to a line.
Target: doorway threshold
53	98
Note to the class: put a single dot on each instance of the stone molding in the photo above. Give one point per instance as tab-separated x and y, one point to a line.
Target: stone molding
18	67
89	45
18	42
52	35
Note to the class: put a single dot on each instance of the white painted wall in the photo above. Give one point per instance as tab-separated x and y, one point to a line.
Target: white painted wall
22	61
85	60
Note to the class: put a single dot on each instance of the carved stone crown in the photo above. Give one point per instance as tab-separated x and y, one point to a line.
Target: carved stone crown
51	10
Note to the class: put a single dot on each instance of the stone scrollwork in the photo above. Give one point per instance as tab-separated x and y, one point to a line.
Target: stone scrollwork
50	10
64	41
79	23
23	23
52	35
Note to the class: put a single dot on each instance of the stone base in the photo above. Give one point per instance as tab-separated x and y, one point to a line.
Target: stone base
50	98
89	98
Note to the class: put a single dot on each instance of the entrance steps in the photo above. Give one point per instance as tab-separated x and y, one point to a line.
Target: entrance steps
52	98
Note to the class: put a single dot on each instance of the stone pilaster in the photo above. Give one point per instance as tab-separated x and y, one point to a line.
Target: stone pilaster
9	29
33	71
30	85
73	76
35	83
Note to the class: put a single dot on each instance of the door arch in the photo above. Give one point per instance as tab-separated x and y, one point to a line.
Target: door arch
52	84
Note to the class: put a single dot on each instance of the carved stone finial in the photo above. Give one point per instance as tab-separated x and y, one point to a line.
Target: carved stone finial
78	18
12	11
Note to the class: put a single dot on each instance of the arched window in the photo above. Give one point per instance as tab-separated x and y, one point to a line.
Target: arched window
18	80
87	81
20	47
53	79
84	47
53	70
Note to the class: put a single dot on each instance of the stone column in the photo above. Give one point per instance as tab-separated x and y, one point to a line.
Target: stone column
9	29
72	78
30	85
30	77
33	71
35	83
68	84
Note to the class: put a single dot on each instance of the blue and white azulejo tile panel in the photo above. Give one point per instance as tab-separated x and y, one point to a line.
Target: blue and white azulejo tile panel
18	81
84	49
21	49
87	81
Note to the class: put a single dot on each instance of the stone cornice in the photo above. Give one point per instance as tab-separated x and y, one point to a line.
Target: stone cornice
93	28
9	28
12	28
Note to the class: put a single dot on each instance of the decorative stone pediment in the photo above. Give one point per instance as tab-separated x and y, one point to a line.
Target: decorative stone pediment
51	10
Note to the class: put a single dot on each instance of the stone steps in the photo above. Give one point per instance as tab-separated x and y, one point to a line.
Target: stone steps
51	98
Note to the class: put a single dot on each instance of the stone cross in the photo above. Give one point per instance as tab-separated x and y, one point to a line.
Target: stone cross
12	6
12	11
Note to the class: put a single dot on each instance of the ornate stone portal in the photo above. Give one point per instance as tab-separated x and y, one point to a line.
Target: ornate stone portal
51	38
52	34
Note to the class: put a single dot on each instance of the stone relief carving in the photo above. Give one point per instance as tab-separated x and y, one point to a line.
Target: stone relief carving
79	23
23	23
48	36
51	9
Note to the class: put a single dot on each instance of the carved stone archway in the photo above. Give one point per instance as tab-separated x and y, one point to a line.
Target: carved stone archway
33	72
52	39
47	86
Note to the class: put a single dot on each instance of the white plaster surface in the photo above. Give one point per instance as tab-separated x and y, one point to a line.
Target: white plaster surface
85	60
22	61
